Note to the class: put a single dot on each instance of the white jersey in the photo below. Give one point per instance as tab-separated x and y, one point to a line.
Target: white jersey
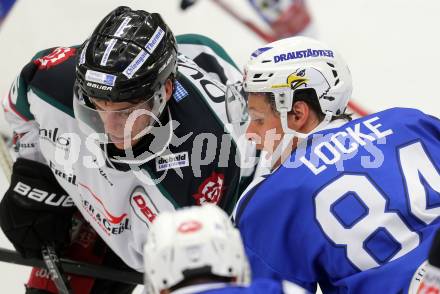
119	202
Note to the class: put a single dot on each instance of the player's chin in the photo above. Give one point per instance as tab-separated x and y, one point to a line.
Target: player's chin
119	145
262	148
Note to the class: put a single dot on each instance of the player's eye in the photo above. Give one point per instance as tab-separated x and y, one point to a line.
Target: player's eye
258	121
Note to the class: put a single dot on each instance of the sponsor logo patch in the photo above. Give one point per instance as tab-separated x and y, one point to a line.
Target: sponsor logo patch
175	160
60	141
110	223
143	206
155	40
307	53
68	177
211	190
112	43
57	56
142	57
17	145
100	77
136	64
106	224
99	87
189	227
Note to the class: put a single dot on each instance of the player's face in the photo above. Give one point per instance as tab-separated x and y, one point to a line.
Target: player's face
126	122
115	116
265	126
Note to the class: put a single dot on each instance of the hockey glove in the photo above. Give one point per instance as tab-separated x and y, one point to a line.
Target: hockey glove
35	210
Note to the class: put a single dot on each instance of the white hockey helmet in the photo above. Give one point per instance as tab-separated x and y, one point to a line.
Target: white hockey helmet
190	242
285	66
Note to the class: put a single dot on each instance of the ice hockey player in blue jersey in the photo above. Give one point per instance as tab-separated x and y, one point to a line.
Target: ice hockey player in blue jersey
350	205
198	250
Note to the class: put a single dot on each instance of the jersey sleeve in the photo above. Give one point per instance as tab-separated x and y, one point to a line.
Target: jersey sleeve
261	269
210	57
18	113
270	219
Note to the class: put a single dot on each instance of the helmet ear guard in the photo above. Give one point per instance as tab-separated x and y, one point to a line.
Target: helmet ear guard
283	101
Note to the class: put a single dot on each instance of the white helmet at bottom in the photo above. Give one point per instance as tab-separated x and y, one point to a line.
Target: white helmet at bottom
190	242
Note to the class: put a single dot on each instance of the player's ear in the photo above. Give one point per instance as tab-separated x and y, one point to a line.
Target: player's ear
168	89
298	116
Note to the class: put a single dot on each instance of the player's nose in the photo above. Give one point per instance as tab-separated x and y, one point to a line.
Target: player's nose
251	133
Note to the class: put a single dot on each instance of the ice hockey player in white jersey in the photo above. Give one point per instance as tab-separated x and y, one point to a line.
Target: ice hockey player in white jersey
121	128
198	250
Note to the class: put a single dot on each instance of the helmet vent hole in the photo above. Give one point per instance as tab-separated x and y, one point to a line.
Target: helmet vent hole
331	65
337	82
266	61
271	74
165	282
335	73
230	269
256	76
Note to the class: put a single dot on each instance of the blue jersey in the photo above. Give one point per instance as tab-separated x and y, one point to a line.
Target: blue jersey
354	209
5	6
261	286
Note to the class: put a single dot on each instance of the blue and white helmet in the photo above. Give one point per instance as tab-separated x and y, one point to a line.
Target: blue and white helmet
285	66
294	63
